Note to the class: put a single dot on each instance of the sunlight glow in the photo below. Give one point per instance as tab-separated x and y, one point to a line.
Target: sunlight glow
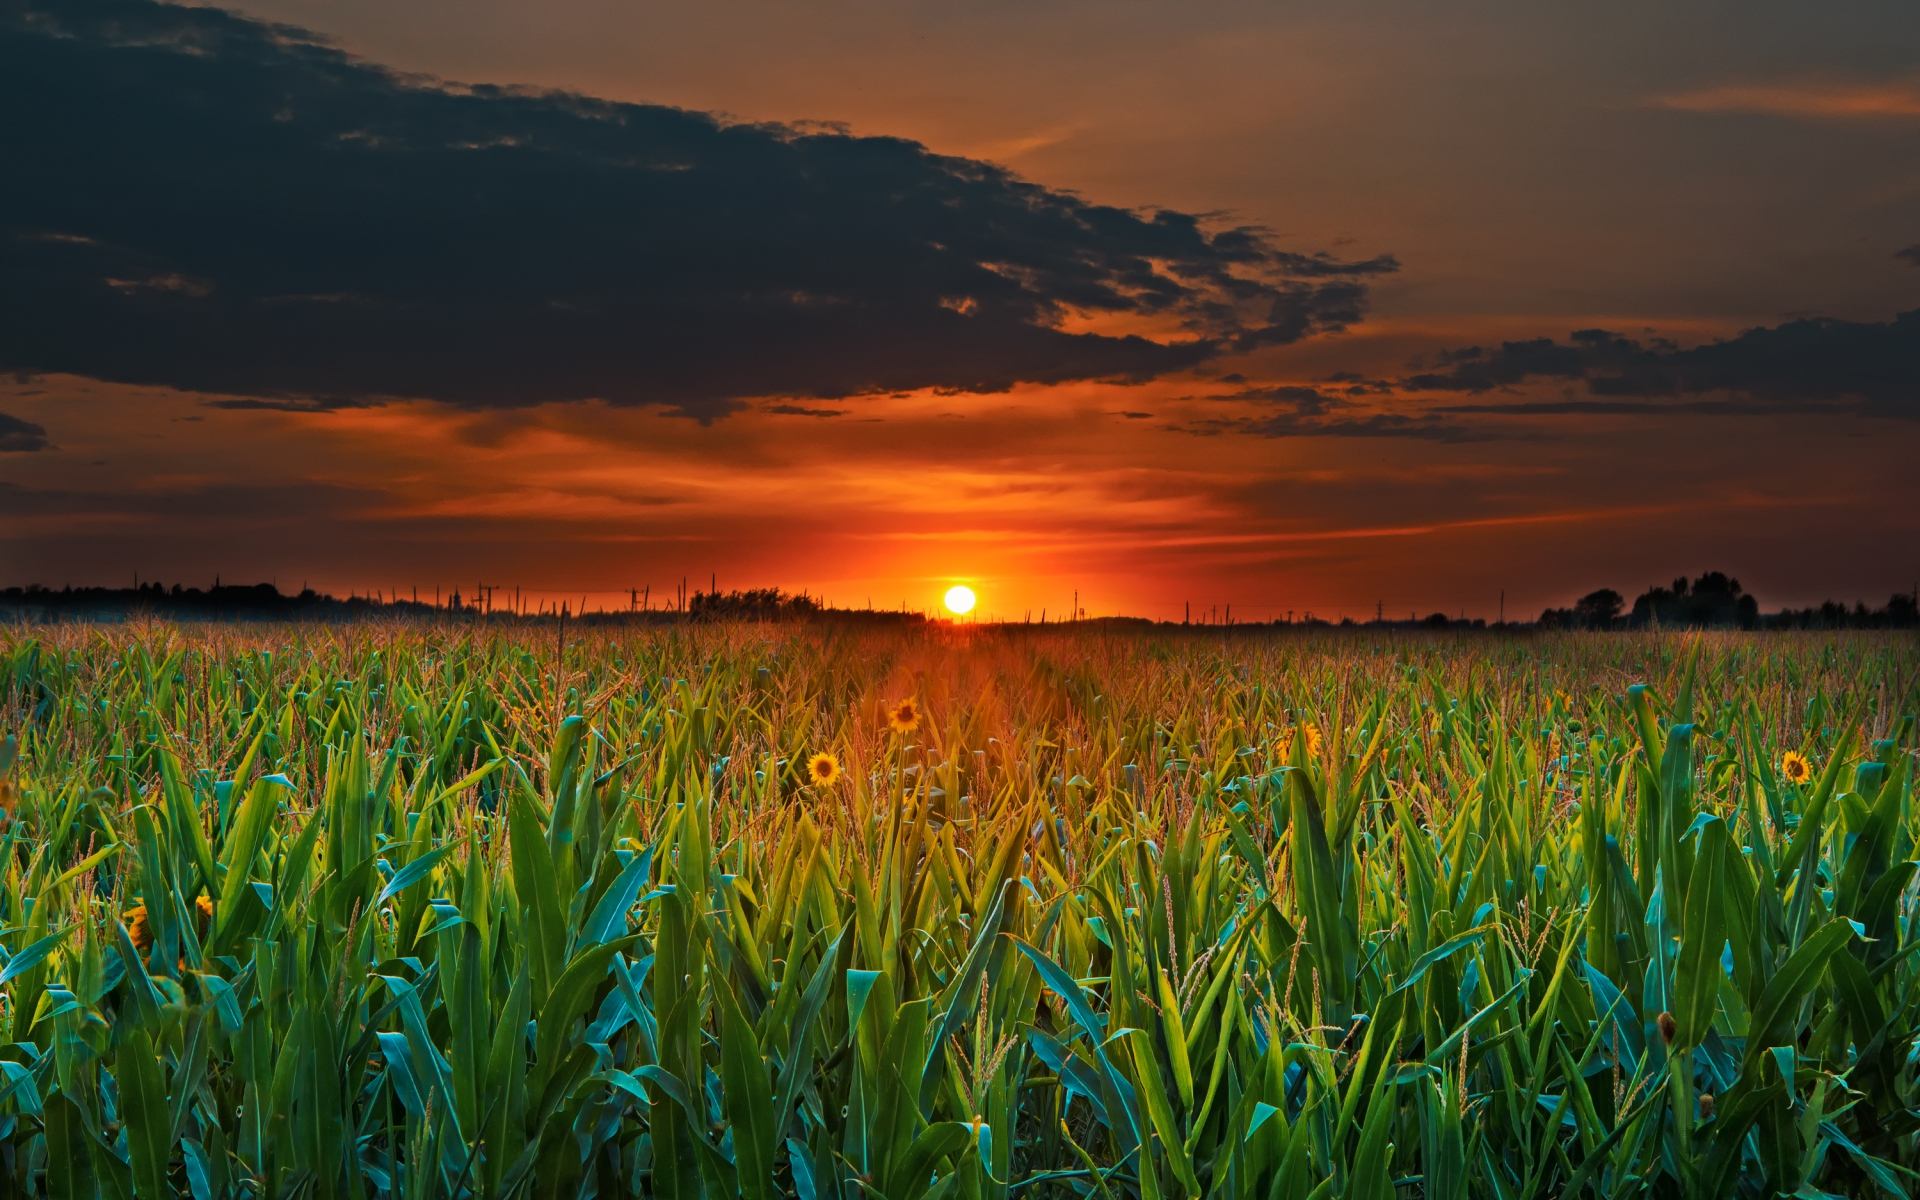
960	599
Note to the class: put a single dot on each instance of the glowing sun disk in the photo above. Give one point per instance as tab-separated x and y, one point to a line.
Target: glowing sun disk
960	599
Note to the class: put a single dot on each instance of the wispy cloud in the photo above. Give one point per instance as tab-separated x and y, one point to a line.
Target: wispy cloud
1835	101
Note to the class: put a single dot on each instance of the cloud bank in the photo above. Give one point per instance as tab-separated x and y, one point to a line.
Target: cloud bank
206	202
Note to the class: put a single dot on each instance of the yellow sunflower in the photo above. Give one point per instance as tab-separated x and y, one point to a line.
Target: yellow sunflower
823	769
1313	741
904	717
1795	767
138	931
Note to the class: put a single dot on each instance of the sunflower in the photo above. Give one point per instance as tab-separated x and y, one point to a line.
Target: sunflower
823	768
1313	740
138	931
1795	767
904	717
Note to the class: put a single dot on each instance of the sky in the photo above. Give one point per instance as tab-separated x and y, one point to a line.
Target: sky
1377	306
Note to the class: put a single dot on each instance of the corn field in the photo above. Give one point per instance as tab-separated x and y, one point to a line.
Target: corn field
410	911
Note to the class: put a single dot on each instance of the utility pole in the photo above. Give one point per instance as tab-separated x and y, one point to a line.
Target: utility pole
1379	609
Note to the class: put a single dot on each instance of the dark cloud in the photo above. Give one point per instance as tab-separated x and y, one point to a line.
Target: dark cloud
1312	412
1810	364
1911	255
1424	426
201	201
19	436
1304	401
324	403
802	410
1605	408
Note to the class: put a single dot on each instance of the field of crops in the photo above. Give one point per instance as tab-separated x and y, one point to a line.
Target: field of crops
791	910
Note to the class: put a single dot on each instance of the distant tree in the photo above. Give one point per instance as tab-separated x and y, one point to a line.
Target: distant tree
1715	599
753	602
1598	609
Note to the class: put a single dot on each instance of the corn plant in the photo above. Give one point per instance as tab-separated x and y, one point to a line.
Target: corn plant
412	911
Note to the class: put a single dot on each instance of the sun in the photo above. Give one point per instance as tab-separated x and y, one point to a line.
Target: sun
960	599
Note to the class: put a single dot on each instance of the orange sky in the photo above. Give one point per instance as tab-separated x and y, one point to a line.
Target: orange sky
1669	177
1026	496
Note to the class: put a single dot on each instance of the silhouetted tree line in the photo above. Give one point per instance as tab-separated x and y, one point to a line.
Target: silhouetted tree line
221	601
1716	600
761	603
265	602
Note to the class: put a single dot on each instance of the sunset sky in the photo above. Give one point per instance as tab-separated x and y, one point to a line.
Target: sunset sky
1285	306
